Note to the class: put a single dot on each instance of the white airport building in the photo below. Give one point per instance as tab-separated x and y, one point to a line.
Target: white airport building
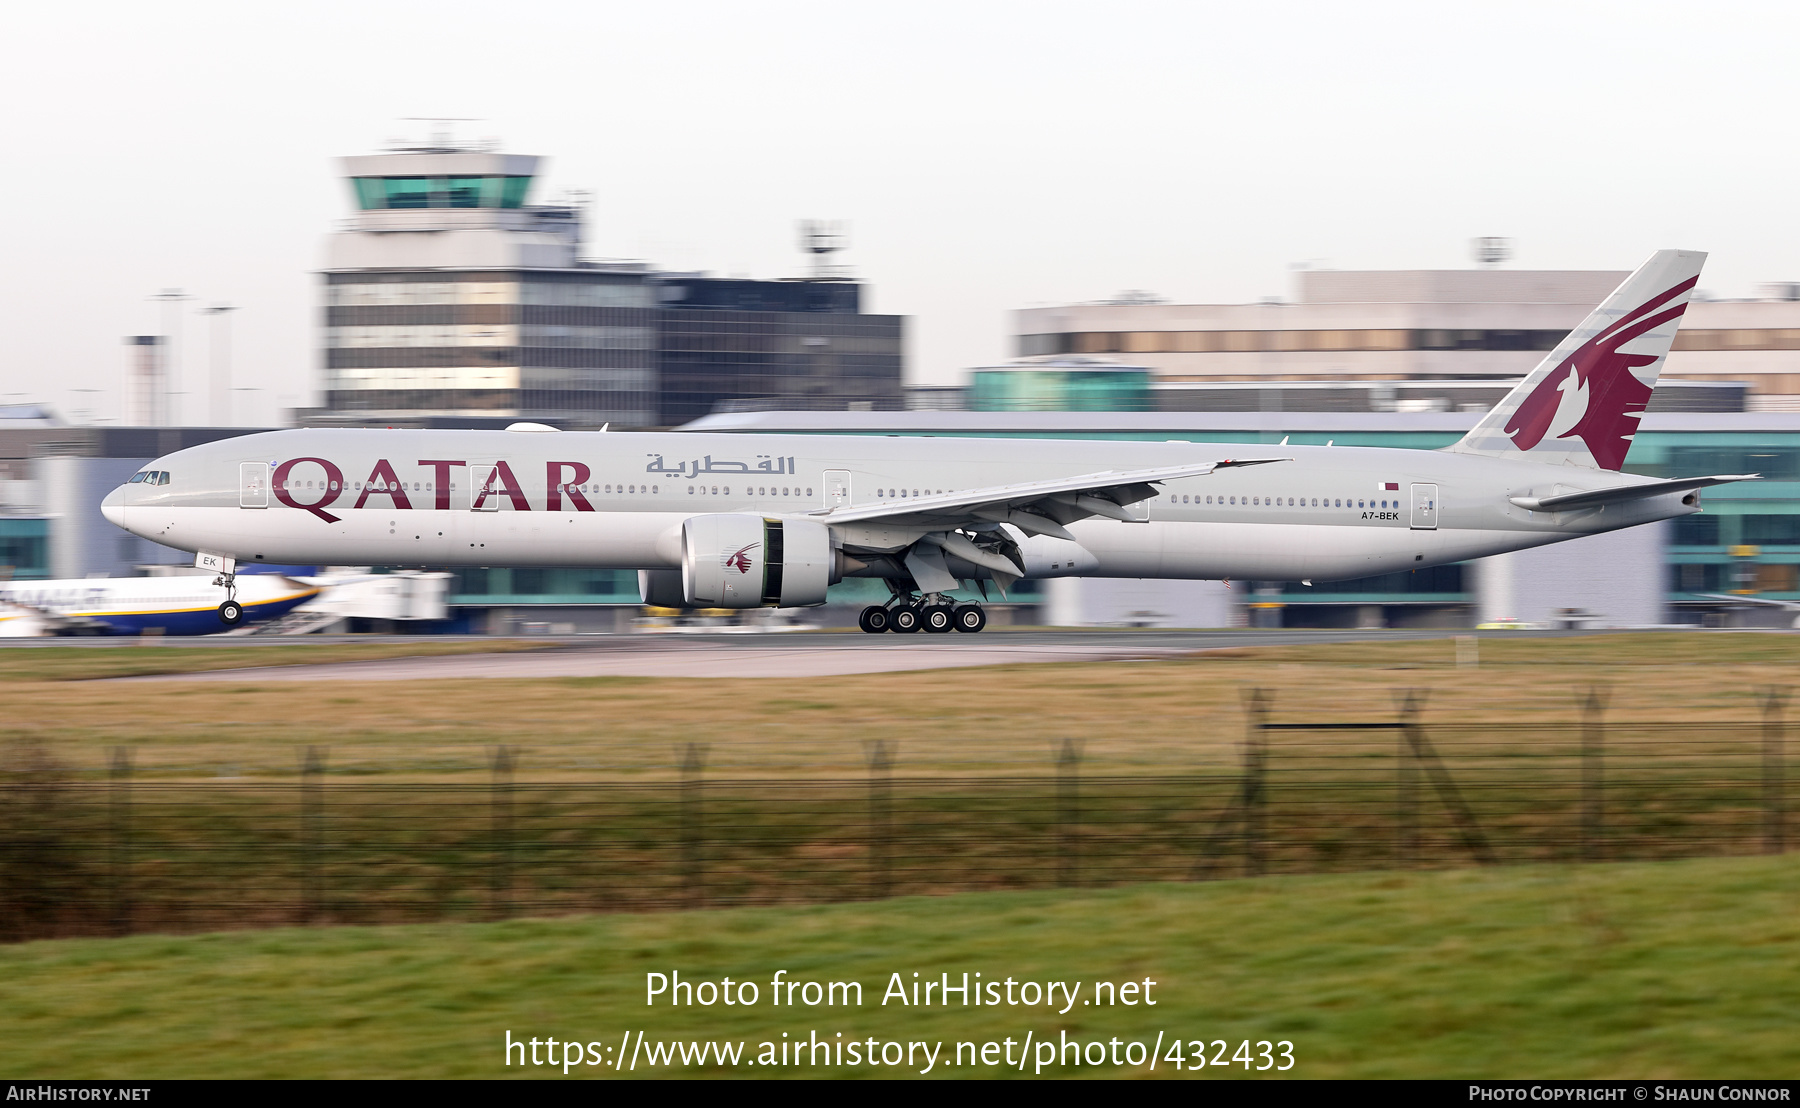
1410	325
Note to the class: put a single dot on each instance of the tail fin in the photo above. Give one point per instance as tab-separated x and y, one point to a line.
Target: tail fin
1582	403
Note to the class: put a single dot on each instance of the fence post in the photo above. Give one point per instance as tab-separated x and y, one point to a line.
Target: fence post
1255	746
1406	799
119	816
312	832
1593	776
1068	814
500	814
881	764
693	861
1774	772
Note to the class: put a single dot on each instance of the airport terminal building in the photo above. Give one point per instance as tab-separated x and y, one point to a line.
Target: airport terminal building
1412	326
451	299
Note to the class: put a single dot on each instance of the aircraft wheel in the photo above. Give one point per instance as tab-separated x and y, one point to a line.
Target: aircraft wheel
970	618
231	613
905	620
939	619
874	619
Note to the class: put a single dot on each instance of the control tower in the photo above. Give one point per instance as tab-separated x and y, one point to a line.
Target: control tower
451	300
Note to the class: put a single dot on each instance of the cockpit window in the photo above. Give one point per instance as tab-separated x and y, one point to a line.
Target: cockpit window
137	478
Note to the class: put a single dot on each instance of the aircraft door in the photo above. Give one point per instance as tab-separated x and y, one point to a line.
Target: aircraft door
837	488
481	481
253	484
1424	507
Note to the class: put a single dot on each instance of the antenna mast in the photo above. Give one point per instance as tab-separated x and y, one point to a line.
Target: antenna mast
822	239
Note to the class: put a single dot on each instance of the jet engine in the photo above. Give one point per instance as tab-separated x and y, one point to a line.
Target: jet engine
747	561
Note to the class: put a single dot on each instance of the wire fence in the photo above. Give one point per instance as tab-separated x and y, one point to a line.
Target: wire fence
124	854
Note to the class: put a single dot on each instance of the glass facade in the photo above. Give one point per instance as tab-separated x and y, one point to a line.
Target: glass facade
587	345
579	347
1065	390
379	193
24	548
789	345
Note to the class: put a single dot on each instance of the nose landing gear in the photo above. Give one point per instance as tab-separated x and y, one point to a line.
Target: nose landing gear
231	613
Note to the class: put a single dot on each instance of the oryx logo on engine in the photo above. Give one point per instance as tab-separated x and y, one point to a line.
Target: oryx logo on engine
741	560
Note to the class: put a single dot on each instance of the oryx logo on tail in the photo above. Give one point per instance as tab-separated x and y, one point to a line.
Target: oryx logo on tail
1581	405
1593	394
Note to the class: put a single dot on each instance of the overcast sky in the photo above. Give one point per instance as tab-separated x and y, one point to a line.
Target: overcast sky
987	156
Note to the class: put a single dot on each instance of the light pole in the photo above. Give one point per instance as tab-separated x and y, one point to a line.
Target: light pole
220	393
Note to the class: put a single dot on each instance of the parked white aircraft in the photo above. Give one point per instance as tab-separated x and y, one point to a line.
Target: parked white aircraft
187	605
739	521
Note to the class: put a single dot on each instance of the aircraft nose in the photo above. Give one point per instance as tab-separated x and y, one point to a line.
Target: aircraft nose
113	507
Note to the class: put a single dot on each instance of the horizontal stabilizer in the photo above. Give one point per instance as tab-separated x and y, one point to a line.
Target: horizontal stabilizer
1574	501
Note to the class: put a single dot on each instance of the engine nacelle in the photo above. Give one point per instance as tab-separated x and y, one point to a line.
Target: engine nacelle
747	561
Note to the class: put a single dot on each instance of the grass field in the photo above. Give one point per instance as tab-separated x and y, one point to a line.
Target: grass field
130	658
1174	715
1671	970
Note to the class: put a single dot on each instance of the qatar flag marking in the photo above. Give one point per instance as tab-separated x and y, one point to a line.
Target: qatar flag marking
1387	486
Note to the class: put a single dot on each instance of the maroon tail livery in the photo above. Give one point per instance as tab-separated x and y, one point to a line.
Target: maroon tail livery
1582	404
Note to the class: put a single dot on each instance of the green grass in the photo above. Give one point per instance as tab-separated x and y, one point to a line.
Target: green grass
1671	970
128	659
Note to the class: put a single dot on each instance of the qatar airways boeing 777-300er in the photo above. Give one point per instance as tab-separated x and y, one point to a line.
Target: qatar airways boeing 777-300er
741	521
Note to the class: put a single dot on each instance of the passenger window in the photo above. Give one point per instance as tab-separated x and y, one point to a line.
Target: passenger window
653	489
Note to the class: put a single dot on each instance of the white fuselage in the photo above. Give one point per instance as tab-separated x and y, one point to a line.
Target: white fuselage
618	500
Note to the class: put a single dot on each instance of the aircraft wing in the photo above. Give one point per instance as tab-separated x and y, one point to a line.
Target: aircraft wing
1570	501
1036	507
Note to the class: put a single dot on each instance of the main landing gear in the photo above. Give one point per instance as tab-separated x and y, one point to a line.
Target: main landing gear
934	614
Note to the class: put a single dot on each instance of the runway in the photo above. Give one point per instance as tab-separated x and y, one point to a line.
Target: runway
787	655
